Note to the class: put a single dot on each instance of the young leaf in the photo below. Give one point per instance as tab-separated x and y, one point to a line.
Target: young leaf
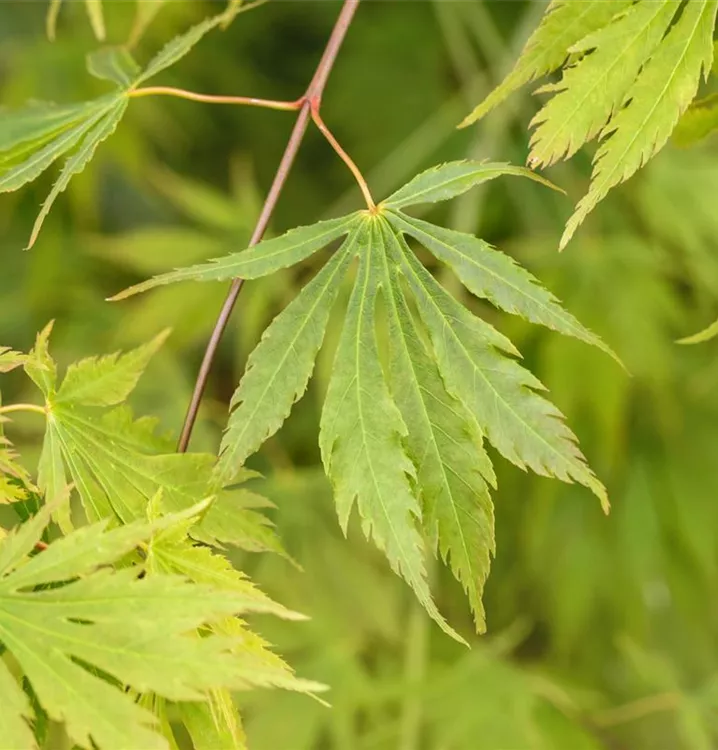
445	444
565	23
114	64
95	620
100	130
175	50
262	259
446	181
492	275
9	359
361	435
593	89
663	90
108	380
280	367
504	397
97	18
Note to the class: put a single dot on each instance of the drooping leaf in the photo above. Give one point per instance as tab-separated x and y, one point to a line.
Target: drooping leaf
504	397
280	367
593	89
69	131
495	276
133	630
361	435
445	443
97	18
144	15
565	23
663	90
100	130
446	181
114	64
262	259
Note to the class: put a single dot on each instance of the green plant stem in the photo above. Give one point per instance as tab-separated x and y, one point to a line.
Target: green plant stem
211	99
23	407
311	99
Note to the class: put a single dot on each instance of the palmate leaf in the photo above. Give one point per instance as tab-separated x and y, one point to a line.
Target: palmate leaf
136	631
630	72
407	451
698	122
117	464
31	140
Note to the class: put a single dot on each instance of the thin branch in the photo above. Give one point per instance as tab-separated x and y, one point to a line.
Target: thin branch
23	407
311	98
334	143
211	99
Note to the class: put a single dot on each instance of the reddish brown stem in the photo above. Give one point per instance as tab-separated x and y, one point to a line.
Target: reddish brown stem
311	100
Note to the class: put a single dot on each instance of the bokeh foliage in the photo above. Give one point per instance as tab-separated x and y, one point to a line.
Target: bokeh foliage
601	630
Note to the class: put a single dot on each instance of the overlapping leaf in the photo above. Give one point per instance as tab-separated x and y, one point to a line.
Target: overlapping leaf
631	70
137	632
408	453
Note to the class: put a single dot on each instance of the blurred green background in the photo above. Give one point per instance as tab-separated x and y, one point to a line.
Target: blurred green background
602	631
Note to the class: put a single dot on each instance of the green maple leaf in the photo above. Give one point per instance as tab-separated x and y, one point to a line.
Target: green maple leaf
138	632
631	70
407	450
118	465
34	138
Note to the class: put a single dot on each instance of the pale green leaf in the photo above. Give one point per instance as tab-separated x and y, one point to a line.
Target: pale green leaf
706	334
279	369
144	15
663	90
52	481
493	275
97	18
361	435
15	713
66	139
134	630
113	64
9	359
108	380
211	726
40	366
565	23
262	259
698	122
445	444
504	397
446	181
39	121
175	50
100	130
593	89
51	19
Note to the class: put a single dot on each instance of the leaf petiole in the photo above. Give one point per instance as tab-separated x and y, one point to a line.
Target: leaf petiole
334	143
210	99
23	407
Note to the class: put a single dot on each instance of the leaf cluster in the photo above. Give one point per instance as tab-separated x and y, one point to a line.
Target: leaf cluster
629	71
